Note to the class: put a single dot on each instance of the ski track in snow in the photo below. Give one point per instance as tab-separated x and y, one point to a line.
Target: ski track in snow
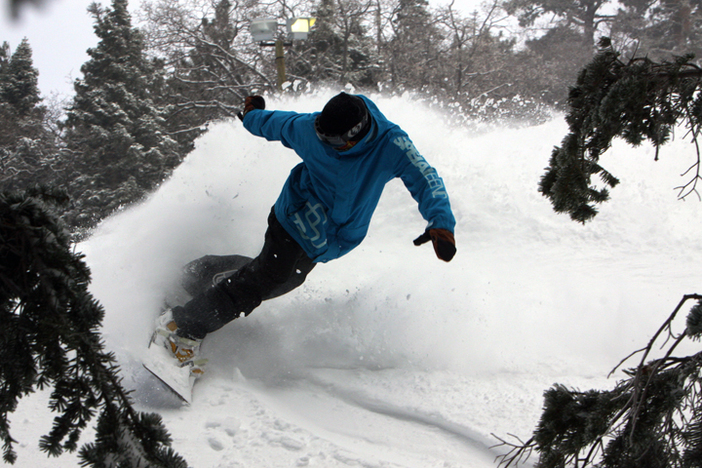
389	357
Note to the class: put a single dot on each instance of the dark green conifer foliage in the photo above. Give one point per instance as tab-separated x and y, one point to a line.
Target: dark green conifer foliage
20	80
415	48
636	100
27	146
582	15
338	49
118	148
663	27
220	28
49	339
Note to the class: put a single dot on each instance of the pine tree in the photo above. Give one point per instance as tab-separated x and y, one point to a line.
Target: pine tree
49	339
662	28
338	49
27	147
220	29
636	100
117	145
581	15
415	48
20	87
323	45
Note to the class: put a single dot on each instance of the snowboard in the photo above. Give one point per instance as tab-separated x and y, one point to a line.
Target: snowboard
196	278
174	376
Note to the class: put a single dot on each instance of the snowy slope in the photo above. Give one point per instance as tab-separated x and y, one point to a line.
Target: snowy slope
389	357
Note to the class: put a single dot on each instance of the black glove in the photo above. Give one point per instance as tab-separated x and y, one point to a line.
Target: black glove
251	103
444	243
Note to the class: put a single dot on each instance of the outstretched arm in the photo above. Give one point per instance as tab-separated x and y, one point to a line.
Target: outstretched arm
428	189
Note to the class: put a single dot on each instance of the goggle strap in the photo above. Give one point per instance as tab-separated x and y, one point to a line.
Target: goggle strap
340	140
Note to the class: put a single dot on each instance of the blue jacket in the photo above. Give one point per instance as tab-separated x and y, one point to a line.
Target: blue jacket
328	200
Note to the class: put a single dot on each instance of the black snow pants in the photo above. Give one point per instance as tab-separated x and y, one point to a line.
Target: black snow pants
281	266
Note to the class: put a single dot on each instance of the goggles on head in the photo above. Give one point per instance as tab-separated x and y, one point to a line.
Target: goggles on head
340	141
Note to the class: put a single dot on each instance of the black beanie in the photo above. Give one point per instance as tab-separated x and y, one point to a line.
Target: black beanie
341	113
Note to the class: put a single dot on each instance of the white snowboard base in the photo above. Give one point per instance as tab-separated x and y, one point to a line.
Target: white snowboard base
167	369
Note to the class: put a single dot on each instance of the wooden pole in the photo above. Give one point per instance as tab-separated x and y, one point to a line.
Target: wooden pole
280	63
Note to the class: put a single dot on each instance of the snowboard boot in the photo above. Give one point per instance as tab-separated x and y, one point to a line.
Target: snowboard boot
185	350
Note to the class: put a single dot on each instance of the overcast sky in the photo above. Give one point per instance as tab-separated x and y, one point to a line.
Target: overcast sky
60	31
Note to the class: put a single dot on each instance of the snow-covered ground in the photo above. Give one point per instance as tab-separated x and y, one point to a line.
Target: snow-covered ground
389	357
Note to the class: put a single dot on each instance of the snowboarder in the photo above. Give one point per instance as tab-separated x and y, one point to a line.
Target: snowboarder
349	152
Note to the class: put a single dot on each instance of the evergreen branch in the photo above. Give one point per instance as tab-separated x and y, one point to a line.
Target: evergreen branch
50	338
667	325
638	100
637	398
640	390
655	414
